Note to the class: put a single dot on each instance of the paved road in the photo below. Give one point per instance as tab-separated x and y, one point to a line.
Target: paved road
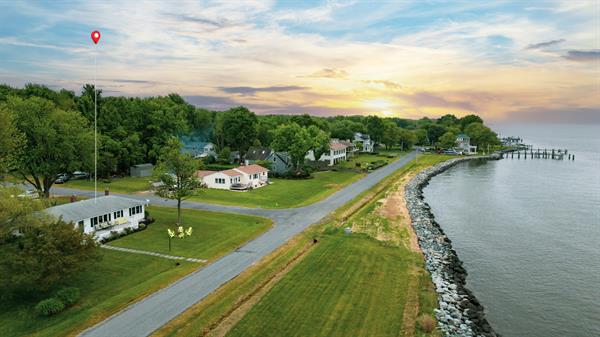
151	313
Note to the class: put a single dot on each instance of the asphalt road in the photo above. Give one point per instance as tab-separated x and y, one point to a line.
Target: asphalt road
146	316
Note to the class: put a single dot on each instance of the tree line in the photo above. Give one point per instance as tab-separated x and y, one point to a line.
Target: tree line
48	132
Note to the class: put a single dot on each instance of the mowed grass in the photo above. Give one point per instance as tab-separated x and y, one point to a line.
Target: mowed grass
120	278
349	285
213	233
282	193
117	185
109	285
364	158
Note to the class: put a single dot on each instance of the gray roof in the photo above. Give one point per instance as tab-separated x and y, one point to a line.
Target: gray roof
143	165
86	209
258	153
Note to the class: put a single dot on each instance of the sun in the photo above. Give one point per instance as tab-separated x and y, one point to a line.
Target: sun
378	104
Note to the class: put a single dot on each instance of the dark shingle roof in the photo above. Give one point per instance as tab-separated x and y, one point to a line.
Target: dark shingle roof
258	153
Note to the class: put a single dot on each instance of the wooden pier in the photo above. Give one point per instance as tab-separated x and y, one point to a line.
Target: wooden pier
531	153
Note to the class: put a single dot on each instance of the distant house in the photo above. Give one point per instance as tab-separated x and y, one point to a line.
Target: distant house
102	215
280	161
242	177
336	153
364	142
198	149
463	144
351	148
141	170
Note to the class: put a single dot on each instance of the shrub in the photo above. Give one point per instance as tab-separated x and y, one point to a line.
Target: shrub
49	306
426	323
68	295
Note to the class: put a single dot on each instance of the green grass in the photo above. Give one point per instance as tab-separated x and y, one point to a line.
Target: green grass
120	278
213	233
118	185
364	158
347	286
282	193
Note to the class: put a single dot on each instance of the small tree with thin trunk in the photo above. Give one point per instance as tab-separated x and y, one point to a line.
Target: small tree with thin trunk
176	172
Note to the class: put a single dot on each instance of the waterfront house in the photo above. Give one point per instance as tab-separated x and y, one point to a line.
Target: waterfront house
364	142
463	144
102	215
280	161
239	178
336	153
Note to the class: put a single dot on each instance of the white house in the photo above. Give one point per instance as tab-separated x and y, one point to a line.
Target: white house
463	144
336	153
102	215
198	149
365	141
239	178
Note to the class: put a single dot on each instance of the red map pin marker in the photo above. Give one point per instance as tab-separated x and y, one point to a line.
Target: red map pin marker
95	36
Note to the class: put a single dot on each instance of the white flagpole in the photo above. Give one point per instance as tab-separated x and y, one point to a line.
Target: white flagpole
95	129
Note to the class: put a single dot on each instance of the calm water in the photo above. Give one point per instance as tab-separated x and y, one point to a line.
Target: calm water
528	232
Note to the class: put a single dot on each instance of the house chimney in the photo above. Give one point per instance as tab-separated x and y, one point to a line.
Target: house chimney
73	198
106	192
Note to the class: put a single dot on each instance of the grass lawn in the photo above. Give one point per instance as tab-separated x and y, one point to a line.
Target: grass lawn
283	193
364	158
213	233
120	278
118	185
348	286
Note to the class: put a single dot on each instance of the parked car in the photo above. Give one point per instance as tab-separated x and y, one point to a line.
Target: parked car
452	152
29	194
62	178
80	175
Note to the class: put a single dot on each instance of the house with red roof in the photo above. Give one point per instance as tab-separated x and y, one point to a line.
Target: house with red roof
239	178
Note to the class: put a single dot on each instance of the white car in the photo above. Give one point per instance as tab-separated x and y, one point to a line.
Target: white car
29	194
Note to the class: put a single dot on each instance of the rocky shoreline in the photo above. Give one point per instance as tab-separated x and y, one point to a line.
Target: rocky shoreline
459	313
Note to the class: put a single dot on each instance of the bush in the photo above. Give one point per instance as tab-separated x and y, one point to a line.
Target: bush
426	323
68	295
49	306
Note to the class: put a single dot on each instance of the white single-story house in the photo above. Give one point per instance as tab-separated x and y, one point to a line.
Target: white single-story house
463	144
102	215
197	149
240	178
364	141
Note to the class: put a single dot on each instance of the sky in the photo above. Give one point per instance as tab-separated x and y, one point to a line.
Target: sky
534	61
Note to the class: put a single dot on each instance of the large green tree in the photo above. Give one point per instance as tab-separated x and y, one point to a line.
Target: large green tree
36	250
176	171
238	128
447	140
319	139
10	140
468	119
375	128
293	139
55	141
481	135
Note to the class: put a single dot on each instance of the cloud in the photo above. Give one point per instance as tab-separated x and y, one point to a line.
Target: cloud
253	90
329	73
545	44
583	55
211	102
387	84
428	99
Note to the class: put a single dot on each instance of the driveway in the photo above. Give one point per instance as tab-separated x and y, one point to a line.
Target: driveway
146	316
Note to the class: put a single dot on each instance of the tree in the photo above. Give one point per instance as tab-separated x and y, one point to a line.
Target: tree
407	139
481	135
448	120
56	141
434	132
468	119
421	136
225	155
447	140
239	128
176	171
319	140
391	134
293	139
38	251
10	140
343	129
375	128
85	102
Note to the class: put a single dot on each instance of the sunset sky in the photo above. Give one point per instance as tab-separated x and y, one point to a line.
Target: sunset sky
515	61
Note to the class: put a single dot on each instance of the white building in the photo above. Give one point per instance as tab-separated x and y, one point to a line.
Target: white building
336	153
102	215
463	144
240	178
364	141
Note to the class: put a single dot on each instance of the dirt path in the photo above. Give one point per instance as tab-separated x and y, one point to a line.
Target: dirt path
411	307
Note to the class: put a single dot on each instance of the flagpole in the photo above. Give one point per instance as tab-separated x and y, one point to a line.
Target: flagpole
95	128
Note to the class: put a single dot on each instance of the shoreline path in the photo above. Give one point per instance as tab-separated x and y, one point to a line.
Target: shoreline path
151	313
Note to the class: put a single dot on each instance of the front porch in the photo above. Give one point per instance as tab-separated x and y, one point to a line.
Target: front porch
105	231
